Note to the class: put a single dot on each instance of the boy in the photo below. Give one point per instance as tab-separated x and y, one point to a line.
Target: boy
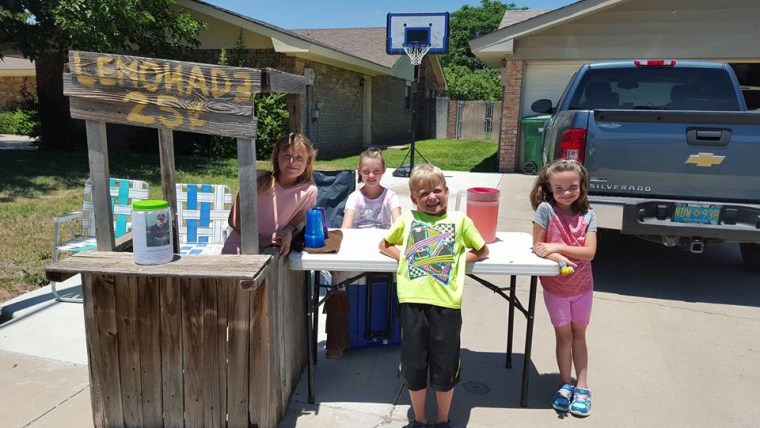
430	280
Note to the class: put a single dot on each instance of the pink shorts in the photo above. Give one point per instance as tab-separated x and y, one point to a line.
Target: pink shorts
564	310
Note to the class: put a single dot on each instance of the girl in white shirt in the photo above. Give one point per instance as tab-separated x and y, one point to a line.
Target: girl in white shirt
371	206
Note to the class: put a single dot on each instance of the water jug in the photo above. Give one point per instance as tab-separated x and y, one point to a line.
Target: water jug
314	235
152	232
483	209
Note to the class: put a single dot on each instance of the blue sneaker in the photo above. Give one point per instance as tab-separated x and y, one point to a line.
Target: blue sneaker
581	405
563	397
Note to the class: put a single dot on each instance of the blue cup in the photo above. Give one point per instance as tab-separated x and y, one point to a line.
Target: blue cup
314	235
324	219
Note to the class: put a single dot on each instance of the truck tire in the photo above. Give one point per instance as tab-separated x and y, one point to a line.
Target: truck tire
751	255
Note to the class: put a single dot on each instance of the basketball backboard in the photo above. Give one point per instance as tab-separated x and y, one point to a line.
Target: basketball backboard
430	28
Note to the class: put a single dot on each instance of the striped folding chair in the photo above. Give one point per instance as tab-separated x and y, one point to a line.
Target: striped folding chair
202	212
79	226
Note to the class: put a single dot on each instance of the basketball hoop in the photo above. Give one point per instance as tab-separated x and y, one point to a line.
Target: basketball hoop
416	51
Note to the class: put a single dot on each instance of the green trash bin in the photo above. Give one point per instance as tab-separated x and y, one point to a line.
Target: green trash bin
533	135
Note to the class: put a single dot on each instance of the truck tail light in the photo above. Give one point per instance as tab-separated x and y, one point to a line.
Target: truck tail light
572	145
655	63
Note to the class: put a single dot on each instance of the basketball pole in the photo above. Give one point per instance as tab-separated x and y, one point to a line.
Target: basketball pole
402	171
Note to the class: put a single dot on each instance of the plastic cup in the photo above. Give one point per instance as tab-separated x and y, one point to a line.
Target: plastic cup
314	235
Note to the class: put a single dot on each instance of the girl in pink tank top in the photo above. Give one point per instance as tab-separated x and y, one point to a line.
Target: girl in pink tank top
564	230
284	195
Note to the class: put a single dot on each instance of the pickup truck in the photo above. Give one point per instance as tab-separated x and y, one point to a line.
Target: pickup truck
672	154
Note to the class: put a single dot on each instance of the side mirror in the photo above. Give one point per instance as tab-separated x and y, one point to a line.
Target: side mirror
542	106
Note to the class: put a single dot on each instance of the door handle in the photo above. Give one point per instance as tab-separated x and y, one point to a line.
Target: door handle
708	136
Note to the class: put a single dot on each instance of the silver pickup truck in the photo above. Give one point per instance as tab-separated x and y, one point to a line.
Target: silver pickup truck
672	154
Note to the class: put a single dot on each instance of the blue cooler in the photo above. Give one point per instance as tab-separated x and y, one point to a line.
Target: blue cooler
373	320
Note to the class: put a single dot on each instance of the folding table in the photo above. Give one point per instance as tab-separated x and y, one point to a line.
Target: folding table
510	255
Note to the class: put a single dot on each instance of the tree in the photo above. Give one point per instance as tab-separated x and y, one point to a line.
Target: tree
271	111
467	77
45	30
470	85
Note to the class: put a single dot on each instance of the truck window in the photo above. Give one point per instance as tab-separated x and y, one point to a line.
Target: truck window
660	88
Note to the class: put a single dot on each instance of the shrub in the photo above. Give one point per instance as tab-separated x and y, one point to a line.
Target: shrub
19	121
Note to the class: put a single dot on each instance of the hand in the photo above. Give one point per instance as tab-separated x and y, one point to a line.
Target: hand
283	238
544	249
565	267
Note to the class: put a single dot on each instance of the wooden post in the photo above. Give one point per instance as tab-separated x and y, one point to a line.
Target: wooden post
168	178
249	231
97	153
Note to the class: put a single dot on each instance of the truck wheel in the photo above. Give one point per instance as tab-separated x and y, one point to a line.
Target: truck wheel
751	255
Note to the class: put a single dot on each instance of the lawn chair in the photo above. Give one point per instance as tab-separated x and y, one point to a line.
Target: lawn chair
333	188
81	224
202	212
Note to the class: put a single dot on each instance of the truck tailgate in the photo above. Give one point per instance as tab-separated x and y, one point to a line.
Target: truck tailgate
675	154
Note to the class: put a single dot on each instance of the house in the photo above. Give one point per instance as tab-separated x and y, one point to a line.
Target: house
357	95
16	78
539	51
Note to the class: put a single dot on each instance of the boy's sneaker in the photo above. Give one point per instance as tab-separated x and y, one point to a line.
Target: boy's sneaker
446	424
416	424
563	397
581	405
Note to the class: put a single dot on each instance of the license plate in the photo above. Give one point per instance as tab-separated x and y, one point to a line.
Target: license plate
697	213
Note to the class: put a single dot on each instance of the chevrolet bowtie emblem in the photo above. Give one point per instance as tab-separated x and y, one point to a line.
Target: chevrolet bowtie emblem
705	159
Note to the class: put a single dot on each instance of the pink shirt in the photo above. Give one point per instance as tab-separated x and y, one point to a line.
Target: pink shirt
275	210
569	230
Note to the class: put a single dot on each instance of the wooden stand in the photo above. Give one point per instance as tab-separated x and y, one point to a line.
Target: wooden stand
205	341
189	343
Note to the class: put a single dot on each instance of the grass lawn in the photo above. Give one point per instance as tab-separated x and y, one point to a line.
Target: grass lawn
37	186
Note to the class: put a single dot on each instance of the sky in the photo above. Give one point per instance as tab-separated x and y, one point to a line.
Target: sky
298	14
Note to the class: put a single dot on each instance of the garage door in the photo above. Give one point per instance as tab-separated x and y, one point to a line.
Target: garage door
544	79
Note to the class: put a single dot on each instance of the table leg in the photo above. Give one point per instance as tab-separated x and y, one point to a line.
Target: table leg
528	341
315	315
511	320
309	336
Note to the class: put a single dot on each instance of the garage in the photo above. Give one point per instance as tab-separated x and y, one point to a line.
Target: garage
545	79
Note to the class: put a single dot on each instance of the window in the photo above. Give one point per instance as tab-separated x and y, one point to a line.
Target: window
669	88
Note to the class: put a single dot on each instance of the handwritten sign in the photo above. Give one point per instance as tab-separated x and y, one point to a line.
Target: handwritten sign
188	96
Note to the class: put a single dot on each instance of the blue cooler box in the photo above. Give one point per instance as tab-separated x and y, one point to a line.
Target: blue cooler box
373	320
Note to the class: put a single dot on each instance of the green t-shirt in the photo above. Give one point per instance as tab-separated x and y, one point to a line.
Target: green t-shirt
431	268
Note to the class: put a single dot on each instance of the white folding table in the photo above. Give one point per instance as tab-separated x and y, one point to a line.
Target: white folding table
510	255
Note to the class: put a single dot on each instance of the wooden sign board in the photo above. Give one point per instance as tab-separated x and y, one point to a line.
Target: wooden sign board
159	93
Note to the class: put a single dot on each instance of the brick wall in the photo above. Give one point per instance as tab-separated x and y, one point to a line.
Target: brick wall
11	87
340	125
510	120
391	120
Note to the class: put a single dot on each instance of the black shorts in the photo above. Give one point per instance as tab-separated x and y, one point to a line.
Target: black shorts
430	343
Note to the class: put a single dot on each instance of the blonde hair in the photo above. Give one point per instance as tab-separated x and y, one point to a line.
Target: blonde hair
425	174
295	141
542	191
370	153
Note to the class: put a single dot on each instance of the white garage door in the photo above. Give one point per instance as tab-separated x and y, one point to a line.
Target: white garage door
544	79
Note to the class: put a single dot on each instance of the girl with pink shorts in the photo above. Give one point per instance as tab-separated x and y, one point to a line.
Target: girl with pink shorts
564	230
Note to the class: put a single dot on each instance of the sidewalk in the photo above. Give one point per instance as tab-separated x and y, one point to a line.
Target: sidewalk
672	343
16	142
